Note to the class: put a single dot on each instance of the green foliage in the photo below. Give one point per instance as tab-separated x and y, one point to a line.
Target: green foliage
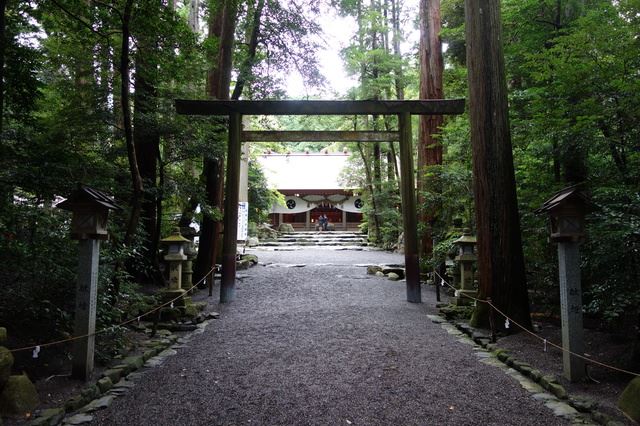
261	198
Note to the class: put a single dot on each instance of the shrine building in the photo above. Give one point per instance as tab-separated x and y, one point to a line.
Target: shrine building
311	185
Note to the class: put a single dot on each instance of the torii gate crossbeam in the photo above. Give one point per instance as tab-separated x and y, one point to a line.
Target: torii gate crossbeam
403	109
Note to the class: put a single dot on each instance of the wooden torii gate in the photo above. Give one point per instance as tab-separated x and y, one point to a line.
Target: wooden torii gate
403	109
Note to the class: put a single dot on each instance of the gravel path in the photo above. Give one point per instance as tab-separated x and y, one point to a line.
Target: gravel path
325	345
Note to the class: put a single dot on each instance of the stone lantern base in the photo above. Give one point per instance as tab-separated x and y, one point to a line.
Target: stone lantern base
172	293
461	298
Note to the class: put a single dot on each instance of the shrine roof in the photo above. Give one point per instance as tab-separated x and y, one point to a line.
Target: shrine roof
302	171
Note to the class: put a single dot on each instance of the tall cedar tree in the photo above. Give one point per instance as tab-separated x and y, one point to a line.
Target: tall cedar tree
500	256
429	146
222	27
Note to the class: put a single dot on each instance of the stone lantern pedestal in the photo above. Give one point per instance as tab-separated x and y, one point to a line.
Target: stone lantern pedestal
465	258
175	258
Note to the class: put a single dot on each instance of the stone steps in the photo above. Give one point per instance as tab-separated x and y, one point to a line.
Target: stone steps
319	239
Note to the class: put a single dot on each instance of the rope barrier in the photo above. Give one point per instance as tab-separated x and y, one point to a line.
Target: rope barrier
36	348
544	341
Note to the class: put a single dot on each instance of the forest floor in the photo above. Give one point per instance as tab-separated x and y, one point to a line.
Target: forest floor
602	386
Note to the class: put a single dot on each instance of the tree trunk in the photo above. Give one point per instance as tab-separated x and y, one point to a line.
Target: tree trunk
500	257
395	23
429	146
3	8
147	144
246	67
221	26
368	177
136	180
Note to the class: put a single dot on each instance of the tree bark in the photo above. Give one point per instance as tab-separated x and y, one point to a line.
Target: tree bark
222	26
147	142
3	8
367	170
395	23
500	256
136	180
431	87
249	62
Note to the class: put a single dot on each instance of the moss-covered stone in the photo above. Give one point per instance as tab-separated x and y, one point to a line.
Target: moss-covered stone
134	362
3	335
147	355
502	355
6	362
285	228
114	374
546	381
190	310
558	390
49	417
104	384
536	375
90	392
372	269
629	401
74	403
18	397
170	314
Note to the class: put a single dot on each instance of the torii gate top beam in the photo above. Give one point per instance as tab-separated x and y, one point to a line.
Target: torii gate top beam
288	107
403	109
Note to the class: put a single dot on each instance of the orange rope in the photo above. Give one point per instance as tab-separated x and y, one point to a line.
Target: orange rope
538	337
104	330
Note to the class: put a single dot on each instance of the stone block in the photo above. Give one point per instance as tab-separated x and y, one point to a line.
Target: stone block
134	362
104	384
373	269
170	314
583	405
149	354
558	390
535	375
392	276
18	397
3	335
502	355
98	404
74	403
6	362
285	228
49	417
545	381
629	401
90	392
114	374
398	271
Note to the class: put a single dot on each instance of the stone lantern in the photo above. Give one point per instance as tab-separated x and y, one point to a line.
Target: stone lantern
176	246
465	258
90	208
567	209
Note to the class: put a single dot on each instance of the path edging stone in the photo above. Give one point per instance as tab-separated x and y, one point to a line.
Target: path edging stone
557	399
113	381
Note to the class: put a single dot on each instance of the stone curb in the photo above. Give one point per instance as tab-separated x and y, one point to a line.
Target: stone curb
117	380
543	387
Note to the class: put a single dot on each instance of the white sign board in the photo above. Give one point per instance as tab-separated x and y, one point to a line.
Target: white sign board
243	221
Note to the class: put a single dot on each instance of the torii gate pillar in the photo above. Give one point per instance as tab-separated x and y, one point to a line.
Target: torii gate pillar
230	221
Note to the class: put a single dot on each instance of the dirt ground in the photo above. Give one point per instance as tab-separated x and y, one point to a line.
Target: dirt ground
604	386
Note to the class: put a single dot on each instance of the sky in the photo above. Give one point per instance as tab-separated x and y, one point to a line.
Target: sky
338	30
